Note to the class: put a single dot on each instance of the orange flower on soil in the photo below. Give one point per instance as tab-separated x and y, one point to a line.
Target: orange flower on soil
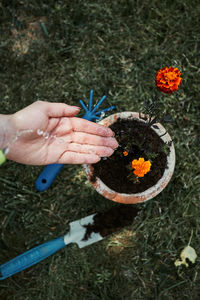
141	166
125	153
168	79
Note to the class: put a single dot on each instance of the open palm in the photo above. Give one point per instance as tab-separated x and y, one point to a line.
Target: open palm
57	136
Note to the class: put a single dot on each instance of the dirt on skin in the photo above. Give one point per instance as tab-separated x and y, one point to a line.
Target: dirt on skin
139	141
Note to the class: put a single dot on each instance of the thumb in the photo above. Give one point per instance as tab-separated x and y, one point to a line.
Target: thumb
58	110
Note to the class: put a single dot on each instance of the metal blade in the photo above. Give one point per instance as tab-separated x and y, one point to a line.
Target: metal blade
95	227
77	232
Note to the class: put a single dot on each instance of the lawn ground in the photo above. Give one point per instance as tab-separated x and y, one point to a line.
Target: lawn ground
58	51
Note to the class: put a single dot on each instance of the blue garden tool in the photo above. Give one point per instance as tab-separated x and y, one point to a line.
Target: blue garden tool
35	255
83	232
50	172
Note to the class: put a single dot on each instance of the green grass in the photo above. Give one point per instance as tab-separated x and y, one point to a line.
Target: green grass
114	47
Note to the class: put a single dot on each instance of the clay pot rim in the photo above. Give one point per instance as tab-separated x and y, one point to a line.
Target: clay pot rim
151	192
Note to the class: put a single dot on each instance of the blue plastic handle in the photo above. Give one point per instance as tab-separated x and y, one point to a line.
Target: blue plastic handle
47	176
30	257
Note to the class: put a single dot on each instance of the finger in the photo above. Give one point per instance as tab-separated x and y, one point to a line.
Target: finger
82	125
78	158
69	125
90	149
91	139
58	110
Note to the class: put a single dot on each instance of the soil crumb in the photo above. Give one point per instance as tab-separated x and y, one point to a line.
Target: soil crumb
113	220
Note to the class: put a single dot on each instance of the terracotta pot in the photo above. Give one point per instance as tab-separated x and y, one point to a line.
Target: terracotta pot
148	194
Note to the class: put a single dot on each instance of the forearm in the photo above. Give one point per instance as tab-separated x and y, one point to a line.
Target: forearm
6	130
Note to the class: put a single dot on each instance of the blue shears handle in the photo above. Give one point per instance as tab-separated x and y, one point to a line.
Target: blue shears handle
47	176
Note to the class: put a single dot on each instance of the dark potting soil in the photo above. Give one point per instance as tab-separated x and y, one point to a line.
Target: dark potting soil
105	223
140	141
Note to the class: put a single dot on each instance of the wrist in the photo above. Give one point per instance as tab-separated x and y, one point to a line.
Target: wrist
6	130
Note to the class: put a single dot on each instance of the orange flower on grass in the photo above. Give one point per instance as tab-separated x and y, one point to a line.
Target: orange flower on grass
141	166
125	153
168	79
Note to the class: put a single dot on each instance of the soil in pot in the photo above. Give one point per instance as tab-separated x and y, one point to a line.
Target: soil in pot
113	220
139	140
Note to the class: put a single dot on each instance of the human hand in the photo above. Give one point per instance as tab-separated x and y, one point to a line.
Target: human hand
71	140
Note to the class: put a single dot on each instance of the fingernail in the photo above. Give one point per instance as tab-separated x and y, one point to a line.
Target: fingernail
114	143
105	131
110	132
108	152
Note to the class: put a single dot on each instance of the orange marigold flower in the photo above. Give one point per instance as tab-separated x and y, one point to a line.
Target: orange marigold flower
141	166
168	79
125	153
